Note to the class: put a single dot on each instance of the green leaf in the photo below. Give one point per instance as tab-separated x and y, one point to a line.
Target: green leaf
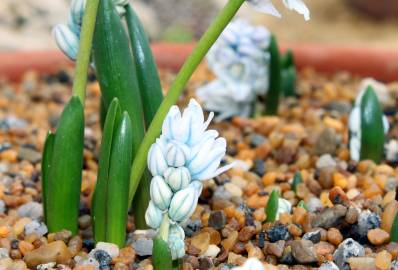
288	83
110	199
302	205
394	230
274	91
147	74
115	67
372	130
65	173
287	59
177	264
151	97
45	168
297	179
102	113
161	256
272	206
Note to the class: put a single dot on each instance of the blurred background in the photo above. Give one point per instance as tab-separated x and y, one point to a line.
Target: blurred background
27	24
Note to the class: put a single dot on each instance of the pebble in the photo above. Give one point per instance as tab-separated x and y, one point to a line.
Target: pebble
314	236
2	207
334	236
367	221
324	248
276	248
278	232
378	236
46	266
4	253
233	189
325	161
314	204
212	251
394	265
84	221
230	241
303	251
111	249
383	260
352	215
27	153
246	233
32	210
361	263
201	241
328	266
102	257
53	252
36	227
217	219
347	249
142	242
327	142
329	217
192	226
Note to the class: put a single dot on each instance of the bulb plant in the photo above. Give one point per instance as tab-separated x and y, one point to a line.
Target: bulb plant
185	154
297	179
276	206
368	127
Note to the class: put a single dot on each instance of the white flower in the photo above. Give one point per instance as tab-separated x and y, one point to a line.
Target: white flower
177	178
240	61
157	163
67	36
67	40
153	216
184	202
266	6
160	192
177	154
176	241
354	122
251	264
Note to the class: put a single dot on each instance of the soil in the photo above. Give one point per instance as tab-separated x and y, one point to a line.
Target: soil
350	206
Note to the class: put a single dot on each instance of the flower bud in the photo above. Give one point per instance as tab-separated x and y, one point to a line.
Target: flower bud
177	178
176	154
284	206
176	241
161	194
66	40
76	14
184	202
156	161
153	216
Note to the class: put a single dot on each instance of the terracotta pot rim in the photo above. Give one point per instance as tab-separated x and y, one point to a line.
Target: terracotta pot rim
380	63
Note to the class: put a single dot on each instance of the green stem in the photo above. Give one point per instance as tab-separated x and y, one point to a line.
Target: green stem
83	56
203	46
164	227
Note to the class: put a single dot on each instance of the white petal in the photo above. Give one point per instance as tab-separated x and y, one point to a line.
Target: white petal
177	178
177	154
298	6
184	203
153	216
284	206
156	160
354	121
265	6
160	192
355	148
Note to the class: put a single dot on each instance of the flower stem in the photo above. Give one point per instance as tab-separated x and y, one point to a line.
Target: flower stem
83	56
203	46
164	227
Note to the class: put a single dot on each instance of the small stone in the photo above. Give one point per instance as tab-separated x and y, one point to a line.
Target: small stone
46	266
53	252
394	265
4	253
246	233
329	217
63	235
327	142
326	177
126	256
257	139
230	241
325	161
303	251
278	232
2	207
334	236
347	249
338	196
201	241
314	236
378	236
32	210
328	266
367	221
314	204
383	260
205	263
27	153
352	215
111	249
276	248
362	263
259	167
192	226
212	251
35	227
324	248
217	219
233	189
84	221
102	257
142	242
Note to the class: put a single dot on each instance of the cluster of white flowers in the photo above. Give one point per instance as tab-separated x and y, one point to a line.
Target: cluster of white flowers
240	61
184	155
354	121
67	36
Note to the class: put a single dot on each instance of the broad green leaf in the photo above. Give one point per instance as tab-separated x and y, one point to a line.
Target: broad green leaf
372	130
100	196
115	67
394	230
274	91
65	173
297	179
102	113
272	206
161	256
147	74
45	167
